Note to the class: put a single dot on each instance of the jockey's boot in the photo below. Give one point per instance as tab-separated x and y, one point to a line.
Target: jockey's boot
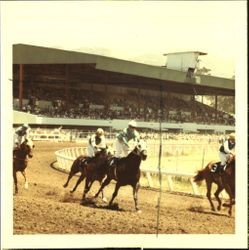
214	168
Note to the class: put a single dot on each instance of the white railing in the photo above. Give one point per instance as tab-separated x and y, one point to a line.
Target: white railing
65	158
169	174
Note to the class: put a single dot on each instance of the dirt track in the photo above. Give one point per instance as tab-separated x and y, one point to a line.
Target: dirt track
48	208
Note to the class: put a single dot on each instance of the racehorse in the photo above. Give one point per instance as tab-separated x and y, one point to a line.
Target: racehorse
20	161
126	172
226	181
91	169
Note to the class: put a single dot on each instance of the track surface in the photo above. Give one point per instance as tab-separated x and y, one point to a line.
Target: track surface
48	208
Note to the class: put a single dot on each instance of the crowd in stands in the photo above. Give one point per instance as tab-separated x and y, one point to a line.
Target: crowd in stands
88	104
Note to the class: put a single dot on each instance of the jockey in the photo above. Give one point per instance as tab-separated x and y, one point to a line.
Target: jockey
121	143
96	142
21	134
226	150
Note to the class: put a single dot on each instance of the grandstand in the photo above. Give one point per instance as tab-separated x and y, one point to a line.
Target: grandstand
52	87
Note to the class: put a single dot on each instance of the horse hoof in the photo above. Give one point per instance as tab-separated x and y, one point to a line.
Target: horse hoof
65	185
139	211
71	191
26	185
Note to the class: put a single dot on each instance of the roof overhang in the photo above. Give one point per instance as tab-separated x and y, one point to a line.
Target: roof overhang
119	72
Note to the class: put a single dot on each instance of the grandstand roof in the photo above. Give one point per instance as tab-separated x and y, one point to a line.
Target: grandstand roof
184	52
93	68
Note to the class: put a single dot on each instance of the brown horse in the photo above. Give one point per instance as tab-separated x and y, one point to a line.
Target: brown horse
126	172
91	169
20	161
226	181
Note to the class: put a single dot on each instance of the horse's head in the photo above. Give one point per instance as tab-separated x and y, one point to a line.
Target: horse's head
141	149
231	161
27	147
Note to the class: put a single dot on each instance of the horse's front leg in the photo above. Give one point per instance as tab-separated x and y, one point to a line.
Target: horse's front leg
216	194
135	193
26	185
15	181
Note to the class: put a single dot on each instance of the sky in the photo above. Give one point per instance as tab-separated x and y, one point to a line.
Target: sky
132	30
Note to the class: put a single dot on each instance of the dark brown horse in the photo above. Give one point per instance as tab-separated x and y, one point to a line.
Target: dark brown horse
91	169
20	161
226	181
126	172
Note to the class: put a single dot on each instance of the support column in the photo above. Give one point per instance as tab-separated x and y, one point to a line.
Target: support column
216	106
66	84
20	86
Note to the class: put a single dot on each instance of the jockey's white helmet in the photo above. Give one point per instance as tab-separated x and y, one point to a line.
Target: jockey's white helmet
25	125
231	136
100	131
132	124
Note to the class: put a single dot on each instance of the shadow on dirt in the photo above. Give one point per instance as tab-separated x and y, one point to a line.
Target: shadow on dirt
89	202
201	210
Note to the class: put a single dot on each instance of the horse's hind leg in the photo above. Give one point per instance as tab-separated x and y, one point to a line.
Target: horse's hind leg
105	183
73	171
209	186
15	182
229	191
88	185
114	193
81	178
26	185
216	194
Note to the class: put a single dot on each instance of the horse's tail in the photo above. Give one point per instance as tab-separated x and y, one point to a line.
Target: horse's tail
200	176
